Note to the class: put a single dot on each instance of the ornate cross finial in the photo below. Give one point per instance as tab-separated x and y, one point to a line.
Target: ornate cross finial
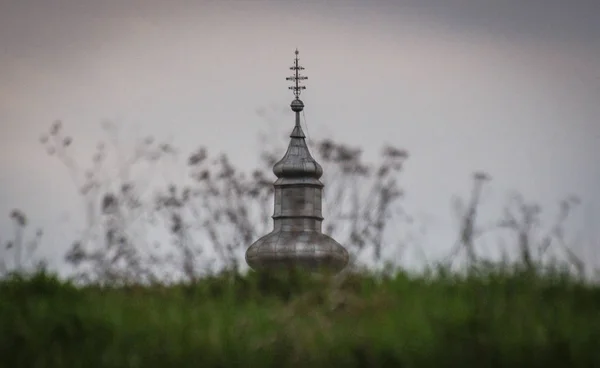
296	78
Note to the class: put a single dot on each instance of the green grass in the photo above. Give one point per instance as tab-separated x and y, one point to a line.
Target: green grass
493	319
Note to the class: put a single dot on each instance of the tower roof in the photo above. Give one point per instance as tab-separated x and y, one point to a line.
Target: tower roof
297	162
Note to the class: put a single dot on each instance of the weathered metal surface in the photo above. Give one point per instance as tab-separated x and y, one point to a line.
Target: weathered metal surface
297	239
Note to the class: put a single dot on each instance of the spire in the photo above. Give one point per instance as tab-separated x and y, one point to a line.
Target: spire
297	105
297	161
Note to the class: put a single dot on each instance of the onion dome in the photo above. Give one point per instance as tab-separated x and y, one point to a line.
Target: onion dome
297	239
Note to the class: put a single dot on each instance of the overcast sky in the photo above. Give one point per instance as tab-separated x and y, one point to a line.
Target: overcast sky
510	87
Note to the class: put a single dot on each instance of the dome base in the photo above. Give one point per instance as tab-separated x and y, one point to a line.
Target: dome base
311	251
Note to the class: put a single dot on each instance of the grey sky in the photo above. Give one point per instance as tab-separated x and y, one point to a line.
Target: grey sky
510	87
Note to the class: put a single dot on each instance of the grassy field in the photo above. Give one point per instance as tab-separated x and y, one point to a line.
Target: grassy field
492	319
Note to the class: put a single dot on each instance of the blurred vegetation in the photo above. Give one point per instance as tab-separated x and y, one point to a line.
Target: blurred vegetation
159	278
497	317
140	225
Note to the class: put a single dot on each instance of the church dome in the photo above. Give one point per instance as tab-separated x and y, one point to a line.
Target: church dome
297	239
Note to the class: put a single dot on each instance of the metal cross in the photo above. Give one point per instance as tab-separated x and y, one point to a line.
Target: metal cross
296	78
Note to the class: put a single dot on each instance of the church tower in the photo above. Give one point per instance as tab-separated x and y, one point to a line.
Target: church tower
297	239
